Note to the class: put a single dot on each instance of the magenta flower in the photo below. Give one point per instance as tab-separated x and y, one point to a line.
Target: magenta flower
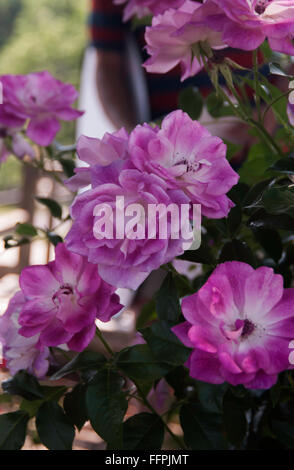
39	98
143	8
19	352
188	157
125	261
245	24
63	300
173	37
18	146
98	153
239	325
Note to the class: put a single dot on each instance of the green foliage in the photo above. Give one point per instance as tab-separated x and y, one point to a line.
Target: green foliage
107	405
54	428
202	429
191	101
167	301
143	431
85	361
13	428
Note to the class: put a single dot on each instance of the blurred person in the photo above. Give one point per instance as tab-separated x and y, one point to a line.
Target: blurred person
116	83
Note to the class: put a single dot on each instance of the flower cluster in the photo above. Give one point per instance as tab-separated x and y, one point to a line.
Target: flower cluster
58	304
179	163
176	36
179	35
35	104
239	325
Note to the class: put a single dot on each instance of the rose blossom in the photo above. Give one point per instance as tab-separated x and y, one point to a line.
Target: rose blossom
239	325
173	37
124	262
63	300
245	24
143	8
19	146
19	352
39	98
98	153
187	156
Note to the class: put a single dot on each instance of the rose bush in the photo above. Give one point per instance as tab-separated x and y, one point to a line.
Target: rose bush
211	350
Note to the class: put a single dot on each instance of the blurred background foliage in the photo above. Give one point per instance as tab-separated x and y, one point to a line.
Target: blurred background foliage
37	35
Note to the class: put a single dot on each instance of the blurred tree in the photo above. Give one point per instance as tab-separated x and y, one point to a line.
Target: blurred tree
47	34
9	9
39	35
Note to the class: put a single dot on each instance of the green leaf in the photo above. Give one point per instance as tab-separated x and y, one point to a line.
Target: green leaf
13	428
54	238
143	431
31	407
255	193
191	101
10	242
139	362
270	241
261	219
167	301
54	428
284	432
25	385
211	396
203	255
279	201
182	384
107	405
234	220
285	165
74	405
217	107
234	419
275	69
26	229
275	394
238	193
52	205
68	166
236	250
147	314
86	360
257	163
165	345
202	429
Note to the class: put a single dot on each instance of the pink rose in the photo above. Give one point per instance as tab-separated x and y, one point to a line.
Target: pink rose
239	325
40	99
63	299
